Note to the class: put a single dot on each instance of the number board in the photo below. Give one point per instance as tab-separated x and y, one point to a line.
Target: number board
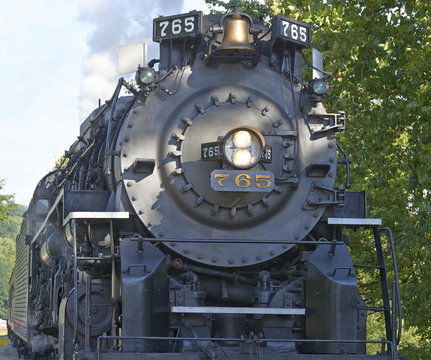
177	26
296	32
239	180
267	154
210	151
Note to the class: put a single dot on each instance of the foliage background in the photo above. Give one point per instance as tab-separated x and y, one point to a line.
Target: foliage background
379	52
10	222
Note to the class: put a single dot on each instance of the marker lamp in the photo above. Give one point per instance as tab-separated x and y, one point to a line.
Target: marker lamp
318	87
145	76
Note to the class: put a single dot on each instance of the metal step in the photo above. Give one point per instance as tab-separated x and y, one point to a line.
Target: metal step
236	310
354	221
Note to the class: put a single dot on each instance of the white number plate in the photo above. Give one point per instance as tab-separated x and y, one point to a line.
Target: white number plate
294	31
210	151
177	26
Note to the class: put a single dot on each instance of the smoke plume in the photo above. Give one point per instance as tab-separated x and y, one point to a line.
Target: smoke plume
115	23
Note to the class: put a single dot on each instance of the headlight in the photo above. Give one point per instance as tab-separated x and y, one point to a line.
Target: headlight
242	147
242	158
241	138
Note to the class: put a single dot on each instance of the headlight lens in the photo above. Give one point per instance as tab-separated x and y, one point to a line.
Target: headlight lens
147	76
242	147
242	138
318	87
242	158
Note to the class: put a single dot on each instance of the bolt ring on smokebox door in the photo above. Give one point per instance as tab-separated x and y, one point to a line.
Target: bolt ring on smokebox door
188	201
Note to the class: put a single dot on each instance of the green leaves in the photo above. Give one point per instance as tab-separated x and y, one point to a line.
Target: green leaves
7	260
379	52
256	9
10	221
6	203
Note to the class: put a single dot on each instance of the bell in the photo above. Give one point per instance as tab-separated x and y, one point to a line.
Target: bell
235	39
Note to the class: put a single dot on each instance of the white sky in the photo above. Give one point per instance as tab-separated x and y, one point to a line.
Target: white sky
51	54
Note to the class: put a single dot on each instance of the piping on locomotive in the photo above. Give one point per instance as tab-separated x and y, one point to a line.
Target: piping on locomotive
199	217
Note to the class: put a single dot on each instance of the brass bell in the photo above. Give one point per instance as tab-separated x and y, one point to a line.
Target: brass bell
235	39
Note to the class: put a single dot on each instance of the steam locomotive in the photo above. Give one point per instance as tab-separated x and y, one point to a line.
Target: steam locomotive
199	216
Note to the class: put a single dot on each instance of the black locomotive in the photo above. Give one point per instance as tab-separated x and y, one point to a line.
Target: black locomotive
198	218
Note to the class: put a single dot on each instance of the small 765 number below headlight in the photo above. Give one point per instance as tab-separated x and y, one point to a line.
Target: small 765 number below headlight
242	147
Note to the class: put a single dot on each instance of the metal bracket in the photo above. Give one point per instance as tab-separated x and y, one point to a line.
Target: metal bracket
323	195
350	272
140	266
290	133
320	124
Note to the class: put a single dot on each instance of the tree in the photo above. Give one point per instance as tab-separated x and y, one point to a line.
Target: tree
7	203
379	52
7	261
9	226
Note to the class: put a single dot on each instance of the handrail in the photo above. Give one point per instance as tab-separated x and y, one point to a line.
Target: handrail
397	283
230	241
393	332
256	339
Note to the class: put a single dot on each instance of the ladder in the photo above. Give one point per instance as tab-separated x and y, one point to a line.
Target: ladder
393	315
